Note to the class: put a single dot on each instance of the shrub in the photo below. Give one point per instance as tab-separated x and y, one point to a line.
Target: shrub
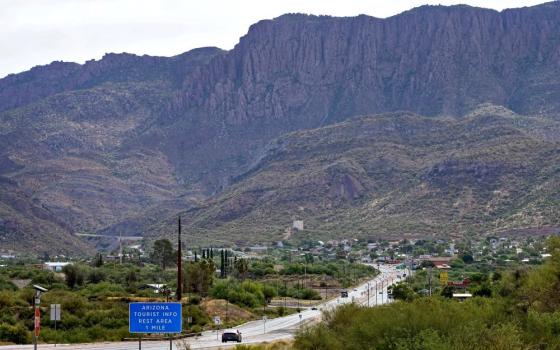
14	333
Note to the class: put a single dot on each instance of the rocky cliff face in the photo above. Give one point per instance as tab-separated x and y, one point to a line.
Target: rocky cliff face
112	145
300	72
432	60
17	90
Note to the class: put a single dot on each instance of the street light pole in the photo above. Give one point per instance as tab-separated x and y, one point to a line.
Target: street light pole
37	313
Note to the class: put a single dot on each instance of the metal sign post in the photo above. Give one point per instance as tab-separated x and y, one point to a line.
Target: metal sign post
55	315
264	324
217	322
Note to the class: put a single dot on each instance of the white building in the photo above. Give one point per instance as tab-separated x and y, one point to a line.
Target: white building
55	266
298	225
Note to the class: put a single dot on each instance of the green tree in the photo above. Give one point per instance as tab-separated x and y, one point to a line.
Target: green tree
98	260
199	276
402	291
447	292
74	276
467	258
241	267
95	276
163	253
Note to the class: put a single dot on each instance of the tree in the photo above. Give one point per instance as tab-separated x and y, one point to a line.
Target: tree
199	276
95	276
98	260
269	293
74	276
222	264
447	292
163	253
467	258
241	266
131	278
483	291
402	291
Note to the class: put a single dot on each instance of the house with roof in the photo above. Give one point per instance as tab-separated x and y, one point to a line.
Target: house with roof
55	266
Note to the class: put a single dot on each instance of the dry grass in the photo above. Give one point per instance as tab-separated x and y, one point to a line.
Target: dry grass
217	307
277	345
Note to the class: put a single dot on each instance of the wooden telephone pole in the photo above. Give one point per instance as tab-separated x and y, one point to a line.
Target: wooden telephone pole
179	292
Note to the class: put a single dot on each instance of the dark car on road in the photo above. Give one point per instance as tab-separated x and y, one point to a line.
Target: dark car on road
230	335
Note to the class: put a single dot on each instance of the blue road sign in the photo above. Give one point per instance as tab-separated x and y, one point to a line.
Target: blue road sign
155	318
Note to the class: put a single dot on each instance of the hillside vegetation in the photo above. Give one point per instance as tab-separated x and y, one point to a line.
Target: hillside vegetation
395	175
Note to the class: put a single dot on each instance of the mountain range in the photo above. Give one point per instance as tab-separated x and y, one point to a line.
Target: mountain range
437	121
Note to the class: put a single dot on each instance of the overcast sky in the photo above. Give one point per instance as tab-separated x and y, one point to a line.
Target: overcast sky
36	32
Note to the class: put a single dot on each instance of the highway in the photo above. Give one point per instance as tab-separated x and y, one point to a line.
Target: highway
254	331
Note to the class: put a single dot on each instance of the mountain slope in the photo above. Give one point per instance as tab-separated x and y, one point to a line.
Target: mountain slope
116	145
67	153
395	175
299	72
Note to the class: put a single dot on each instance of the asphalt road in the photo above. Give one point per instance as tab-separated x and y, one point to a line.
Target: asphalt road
254	331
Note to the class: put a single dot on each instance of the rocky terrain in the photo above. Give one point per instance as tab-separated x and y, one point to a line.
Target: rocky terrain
121	144
394	175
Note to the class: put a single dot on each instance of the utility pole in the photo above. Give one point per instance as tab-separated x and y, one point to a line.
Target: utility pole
179	264
285	293
382	290
368	294
430	281
305	275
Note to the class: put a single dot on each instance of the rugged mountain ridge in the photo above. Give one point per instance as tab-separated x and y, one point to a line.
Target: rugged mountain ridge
299	72
115	145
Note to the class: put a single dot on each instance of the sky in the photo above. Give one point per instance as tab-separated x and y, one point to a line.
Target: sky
37	32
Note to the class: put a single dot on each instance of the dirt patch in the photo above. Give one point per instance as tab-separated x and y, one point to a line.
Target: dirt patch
228	312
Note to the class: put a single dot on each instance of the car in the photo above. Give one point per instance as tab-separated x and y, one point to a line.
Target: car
314	308
231	335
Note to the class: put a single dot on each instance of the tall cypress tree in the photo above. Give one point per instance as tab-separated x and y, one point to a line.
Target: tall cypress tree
222	264
226	262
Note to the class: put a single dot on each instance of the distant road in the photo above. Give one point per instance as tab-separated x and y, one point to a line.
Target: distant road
124	238
254	331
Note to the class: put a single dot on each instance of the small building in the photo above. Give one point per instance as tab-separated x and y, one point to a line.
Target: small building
155	287
55	266
261	249
464	284
297	225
